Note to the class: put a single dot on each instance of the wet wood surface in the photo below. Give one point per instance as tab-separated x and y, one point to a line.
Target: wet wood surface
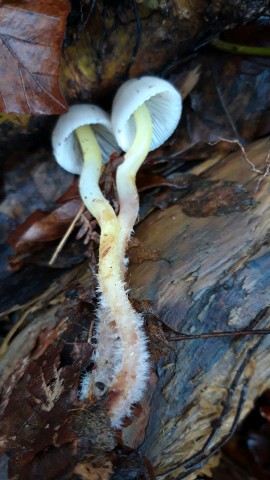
213	275
208	272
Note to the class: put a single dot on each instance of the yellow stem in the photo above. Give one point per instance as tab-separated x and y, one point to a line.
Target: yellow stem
126	177
100	208
122	363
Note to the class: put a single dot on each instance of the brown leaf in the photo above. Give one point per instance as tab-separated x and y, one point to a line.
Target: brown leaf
138	253
186	81
90	471
216	198
31	35
43	227
147	180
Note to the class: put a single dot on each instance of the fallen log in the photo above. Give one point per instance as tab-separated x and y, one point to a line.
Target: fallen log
212	276
203	264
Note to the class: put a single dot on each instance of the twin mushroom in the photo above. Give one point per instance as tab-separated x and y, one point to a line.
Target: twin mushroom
145	113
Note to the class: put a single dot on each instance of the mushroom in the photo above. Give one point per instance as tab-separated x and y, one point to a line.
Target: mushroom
121	350
82	140
145	113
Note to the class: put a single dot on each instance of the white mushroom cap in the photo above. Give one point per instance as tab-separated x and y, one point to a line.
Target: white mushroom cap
65	146
162	100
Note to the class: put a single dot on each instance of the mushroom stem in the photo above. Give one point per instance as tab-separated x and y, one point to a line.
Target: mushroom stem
126	176
122	358
109	276
100	208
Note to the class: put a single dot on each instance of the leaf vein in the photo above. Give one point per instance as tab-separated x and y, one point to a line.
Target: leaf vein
28	71
24	89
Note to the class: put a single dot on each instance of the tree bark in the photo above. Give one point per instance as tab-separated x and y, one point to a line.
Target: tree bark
212	276
209	273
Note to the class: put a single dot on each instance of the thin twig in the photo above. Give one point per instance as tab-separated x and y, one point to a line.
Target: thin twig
220	334
244	153
67	234
266	172
14	329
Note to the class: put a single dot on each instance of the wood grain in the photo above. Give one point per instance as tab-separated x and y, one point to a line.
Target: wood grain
213	275
208	272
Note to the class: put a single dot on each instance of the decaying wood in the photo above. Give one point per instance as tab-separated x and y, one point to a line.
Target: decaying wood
208	272
125	41
212	275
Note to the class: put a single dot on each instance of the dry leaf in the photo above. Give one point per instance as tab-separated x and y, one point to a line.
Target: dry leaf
88	471
31	35
42	227
146	180
138	253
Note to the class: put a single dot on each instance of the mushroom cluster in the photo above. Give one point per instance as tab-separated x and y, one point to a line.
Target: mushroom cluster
145	113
